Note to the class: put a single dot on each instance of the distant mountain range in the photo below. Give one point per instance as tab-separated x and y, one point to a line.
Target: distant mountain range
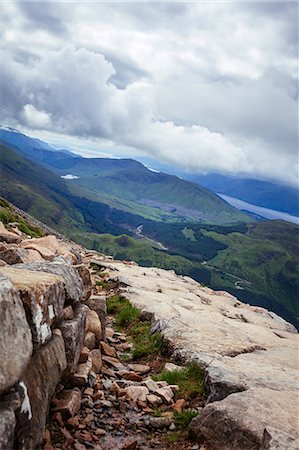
261	193
121	208
128	185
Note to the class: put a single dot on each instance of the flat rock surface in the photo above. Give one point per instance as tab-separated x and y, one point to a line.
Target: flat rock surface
244	347
16	340
43	298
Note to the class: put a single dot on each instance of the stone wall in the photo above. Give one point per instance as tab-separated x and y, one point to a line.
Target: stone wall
48	334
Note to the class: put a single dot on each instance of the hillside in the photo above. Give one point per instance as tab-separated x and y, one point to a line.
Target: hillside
128	185
126	357
256	261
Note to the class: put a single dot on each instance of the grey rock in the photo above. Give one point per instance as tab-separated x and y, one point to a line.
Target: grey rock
98	304
73	284
274	439
90	340
160	422
14	255
69	403
237	423
84	274
43	298
16	340
73	332
96	359
38	384
7	428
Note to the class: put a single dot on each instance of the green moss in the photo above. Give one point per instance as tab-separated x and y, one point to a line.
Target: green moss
190	380
183	418
127	319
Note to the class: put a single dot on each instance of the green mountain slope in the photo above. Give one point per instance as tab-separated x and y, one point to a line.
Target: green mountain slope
129	180
258	262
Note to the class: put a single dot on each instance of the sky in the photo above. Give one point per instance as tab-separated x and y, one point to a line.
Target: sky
205	86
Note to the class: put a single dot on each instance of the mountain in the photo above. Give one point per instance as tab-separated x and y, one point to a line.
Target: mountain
256	261
128	185
129	180
32	148
261	193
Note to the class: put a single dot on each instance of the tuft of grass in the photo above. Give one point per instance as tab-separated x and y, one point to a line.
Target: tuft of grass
31	231
127	318
182	419
104	284
190	380
157	412
116	303
175	437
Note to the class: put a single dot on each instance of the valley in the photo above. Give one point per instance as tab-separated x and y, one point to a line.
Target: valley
227	250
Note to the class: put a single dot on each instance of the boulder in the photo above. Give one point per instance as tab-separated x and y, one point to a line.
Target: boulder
98	304
151	385
142	369
166	394
19	255
16	339
84	274
38	384
84	354
154	400
135	393
274	439
72	282
160	422
90	340
108	350
240	419
69	403
8	236
44	252
96	359
79	376
73	332
43	298
93	324
7	428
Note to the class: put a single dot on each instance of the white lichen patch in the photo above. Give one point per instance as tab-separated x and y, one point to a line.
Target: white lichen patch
43	330
51	312
25	407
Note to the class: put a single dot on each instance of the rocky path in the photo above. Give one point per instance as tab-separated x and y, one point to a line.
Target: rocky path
122	407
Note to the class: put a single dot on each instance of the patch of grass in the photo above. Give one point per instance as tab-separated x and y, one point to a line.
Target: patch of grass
157	412
104	284
175	437
183	418
190	380
145	343
116	303
127	319
31	231
127	315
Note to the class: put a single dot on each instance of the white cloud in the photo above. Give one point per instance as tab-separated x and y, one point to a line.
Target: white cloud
34	118
204	86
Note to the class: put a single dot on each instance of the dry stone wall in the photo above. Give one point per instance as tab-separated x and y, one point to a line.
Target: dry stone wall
44	321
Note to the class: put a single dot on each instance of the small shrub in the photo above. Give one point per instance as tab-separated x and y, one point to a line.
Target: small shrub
183	418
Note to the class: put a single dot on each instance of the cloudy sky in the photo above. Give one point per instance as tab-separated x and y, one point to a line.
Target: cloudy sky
206	86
